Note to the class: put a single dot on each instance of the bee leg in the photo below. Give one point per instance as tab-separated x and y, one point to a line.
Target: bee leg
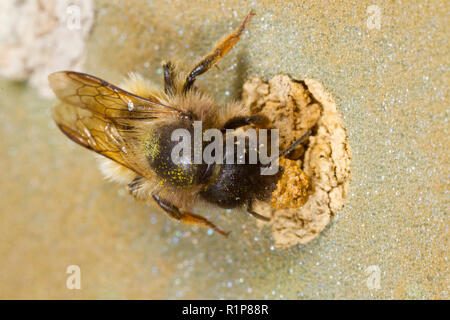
169	76
186	217
238	122
219	51
134	187
255	214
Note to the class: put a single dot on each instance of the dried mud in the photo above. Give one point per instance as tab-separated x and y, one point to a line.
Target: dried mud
315	179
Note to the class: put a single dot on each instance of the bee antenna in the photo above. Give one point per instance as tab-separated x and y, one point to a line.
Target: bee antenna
290	148
294	144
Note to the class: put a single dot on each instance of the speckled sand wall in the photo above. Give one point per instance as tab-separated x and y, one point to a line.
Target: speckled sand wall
391	87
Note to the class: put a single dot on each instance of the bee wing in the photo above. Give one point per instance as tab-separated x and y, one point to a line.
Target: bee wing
105	99
104	118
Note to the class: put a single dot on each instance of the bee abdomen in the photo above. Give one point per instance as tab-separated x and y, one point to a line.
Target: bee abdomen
158	149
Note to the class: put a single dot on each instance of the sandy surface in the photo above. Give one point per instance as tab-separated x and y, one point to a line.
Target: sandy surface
391	87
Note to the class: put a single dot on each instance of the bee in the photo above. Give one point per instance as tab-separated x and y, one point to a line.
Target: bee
131	131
